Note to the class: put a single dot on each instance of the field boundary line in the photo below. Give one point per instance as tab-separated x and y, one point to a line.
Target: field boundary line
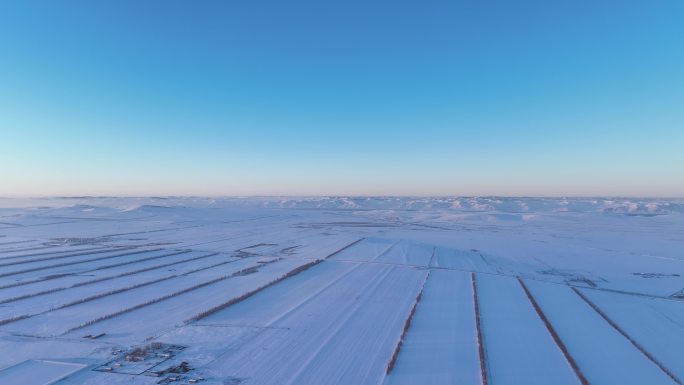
165	297
407	324
62	275
484	370
351	310
113	292
5	251
9	274
250	293
315	293
107	250
554	335
344	248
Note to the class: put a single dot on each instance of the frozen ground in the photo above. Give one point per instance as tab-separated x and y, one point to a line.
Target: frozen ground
495	291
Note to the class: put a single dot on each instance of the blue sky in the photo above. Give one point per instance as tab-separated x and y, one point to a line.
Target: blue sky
342	98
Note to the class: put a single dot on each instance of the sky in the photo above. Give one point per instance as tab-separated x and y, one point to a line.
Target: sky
221	98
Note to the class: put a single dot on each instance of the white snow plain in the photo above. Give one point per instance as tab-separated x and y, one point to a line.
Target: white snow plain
341	290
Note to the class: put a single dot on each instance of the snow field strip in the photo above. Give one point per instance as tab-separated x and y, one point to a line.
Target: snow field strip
52	308
603	354
636	344
72	274
364	250
291	295
484	372
67	253
656	324
36	265
407	324
403	253
80	283
315	247
518	348
352	323
441	345
7	274
250	293
151	268
291	273
8	248
364	277
45	305
287	292
627	292
54	250
52	258
38	372
40	246
379	256
162	298
58	321
175	312
268	233
13	248
556	338
464	260
365	338
407	253
135	261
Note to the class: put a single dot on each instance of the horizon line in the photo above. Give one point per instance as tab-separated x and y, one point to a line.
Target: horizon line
570	196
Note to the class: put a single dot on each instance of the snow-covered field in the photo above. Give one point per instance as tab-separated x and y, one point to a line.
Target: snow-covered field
495	291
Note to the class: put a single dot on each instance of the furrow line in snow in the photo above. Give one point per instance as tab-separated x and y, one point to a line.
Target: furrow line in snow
111	292
56	276
313	294
80	253
407	324
115	291
344	248
248	294
152	231
10	250
74	263
50	252
41	279
554	335
630	339
351	311
480	338
375	259
654	296
168	296
399	264
432	257
15	242
255	291
181	251
147	268
87	299
14	319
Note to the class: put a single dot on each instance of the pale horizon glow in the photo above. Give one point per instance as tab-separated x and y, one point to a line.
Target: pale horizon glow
169	98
